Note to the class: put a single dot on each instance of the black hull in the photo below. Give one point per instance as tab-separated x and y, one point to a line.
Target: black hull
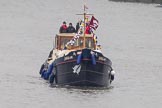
84	71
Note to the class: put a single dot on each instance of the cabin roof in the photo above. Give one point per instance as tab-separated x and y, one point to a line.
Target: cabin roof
72	34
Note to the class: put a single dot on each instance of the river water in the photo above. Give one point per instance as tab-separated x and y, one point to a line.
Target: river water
130	35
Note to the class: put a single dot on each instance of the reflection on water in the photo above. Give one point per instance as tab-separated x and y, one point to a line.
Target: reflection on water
84	90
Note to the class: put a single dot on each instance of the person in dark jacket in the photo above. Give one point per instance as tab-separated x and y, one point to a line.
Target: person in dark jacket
78	25
70	28
63	28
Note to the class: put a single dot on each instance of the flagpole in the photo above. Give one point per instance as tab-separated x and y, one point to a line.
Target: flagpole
84	28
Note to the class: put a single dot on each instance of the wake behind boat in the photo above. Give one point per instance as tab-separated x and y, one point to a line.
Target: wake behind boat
77	60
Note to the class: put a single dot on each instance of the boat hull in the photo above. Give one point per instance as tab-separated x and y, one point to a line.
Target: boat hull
83	69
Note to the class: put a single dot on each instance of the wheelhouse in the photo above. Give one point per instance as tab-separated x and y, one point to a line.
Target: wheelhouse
63	38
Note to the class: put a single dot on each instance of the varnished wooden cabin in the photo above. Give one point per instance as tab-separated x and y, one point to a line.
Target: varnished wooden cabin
63	38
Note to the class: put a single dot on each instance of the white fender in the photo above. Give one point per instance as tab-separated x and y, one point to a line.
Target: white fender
112	72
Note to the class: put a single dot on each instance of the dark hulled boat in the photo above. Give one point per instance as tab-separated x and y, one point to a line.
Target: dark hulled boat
78	66
83	68
77	60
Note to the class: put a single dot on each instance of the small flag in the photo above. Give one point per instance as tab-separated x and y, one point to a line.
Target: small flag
85	7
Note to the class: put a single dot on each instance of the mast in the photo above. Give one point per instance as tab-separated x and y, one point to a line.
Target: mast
84	27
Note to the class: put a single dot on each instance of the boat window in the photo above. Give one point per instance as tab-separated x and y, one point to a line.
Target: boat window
90	43
78	43
64	41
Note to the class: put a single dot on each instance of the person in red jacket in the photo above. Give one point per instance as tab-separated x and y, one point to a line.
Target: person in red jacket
63	28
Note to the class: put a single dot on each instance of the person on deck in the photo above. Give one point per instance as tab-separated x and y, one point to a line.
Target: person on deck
77	27
70	28
88	30
63	28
